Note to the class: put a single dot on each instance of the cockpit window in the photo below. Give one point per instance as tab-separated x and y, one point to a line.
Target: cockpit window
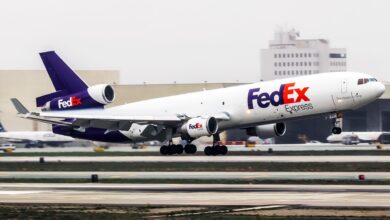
366	80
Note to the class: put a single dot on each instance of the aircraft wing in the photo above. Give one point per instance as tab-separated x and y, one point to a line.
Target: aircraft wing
97	119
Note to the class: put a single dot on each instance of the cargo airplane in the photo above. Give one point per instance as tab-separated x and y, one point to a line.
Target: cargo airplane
77	110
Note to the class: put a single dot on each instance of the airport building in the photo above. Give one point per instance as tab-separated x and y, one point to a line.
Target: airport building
288	56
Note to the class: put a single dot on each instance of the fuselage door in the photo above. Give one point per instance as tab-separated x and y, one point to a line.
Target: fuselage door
344	86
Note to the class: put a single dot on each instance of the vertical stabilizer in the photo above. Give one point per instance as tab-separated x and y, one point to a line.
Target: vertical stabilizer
64	79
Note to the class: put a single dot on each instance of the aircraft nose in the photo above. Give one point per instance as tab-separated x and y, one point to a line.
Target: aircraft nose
381	88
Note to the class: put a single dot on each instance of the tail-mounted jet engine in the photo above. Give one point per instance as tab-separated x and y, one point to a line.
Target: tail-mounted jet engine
94	97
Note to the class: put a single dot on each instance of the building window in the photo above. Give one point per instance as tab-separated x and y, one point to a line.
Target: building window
305	55
275	64
296	63
284	55
309	54
300	54
305	63
288	63
288	55
309	63
284	64
292	63
284	72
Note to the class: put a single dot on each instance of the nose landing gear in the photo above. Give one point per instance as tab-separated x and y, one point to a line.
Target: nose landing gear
337	121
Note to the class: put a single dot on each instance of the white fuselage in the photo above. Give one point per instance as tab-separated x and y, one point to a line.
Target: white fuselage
364	136
326	93
34	136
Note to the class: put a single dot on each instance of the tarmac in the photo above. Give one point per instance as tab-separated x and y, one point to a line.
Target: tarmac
198	194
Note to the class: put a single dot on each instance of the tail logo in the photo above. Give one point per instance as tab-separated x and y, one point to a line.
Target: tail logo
71	102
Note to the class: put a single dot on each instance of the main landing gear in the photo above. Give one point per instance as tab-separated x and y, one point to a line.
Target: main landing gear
337	119
172	149
216	149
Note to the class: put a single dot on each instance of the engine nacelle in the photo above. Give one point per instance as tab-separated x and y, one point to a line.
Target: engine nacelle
267	131
198	127
94	97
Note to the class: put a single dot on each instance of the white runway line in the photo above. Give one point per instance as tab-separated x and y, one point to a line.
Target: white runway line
202	159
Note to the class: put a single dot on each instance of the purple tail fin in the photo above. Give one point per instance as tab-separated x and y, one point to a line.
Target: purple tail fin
64	79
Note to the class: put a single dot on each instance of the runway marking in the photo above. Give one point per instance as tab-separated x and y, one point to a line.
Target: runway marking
222	211
19	192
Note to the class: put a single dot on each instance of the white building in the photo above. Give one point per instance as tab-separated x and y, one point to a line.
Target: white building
288	56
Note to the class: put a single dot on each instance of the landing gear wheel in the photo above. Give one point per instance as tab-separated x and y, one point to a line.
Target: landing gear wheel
215	150
190	149
336	130
171	149
223	150
208	151
164	150
179	149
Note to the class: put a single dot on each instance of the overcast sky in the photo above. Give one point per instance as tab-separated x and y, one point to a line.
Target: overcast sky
164	41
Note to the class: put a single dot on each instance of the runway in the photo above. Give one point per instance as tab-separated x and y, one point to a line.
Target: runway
201	159
275	147
199	175
199	194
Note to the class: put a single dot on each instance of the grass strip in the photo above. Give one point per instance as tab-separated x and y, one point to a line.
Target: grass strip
195	181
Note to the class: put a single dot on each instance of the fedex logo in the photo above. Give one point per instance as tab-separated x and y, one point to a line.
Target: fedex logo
287	94
195	126
72	101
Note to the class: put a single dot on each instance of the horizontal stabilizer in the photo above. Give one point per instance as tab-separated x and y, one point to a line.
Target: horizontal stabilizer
19	106
2	129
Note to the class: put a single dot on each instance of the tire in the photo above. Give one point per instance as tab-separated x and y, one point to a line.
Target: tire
179	149
208	151
193	149
190	149
171	150
223	150
336	130
164	150
215	150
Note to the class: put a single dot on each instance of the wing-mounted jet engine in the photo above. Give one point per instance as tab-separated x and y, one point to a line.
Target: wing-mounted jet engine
267	131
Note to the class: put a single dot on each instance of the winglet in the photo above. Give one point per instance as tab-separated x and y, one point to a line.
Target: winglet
19	106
